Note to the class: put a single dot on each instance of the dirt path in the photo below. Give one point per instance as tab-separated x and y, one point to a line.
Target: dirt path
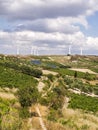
51	58
30	121
49	72
79	92
40	119
30	124
40	86
53	83
66	103
84	70
36	122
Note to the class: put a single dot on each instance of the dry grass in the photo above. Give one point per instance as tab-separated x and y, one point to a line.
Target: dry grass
61	59
36	124
5	95
35	120
74	120
80	119
54	126
93	82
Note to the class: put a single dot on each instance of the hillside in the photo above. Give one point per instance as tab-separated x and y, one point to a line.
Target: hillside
48	92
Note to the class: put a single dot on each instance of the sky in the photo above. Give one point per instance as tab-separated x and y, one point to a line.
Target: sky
49	27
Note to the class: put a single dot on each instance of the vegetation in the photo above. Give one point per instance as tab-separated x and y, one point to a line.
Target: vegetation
78	74
11	78
21	67
50	77
83	102
55	95
28	95
9	116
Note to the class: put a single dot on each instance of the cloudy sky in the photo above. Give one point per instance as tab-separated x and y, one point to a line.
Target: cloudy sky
48	26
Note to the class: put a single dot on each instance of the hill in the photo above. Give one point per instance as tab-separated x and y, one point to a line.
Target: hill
48	92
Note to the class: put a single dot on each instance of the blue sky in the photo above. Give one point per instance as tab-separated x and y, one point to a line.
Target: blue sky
93	26
48	27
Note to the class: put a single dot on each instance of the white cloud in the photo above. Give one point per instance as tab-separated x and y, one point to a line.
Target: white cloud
35	9
47	23
92	43
46	41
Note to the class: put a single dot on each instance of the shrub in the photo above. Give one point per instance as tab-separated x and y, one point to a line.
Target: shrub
54	115
28	95
24	113
50	77
75	74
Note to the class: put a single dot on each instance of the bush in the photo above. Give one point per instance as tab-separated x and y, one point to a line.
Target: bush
30	71
50	77
24	113
28	95
23	68
75	74
44	101
55	100
54	115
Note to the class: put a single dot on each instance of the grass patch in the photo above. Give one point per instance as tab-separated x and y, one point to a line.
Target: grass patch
11	78
83	102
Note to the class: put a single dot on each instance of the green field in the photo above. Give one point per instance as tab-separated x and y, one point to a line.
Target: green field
83	102
11	78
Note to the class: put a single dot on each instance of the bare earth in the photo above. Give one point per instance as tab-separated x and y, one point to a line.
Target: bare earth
84	70
9	96
40	86
49	72
37	123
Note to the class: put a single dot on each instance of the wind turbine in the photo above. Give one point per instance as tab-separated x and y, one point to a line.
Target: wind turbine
37	52
69	50
32	50
81	51
18	50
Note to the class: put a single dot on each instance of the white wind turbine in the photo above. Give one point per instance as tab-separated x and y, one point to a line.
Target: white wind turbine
18	50
37	52
81	51
32	51
69	50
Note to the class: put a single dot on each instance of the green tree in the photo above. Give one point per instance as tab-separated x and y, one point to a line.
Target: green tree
75	74
28	95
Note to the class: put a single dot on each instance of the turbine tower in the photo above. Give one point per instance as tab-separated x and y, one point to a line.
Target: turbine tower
32	50
81	51
37	53
69	51
17	50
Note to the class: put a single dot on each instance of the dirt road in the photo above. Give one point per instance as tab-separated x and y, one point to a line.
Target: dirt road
83	70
